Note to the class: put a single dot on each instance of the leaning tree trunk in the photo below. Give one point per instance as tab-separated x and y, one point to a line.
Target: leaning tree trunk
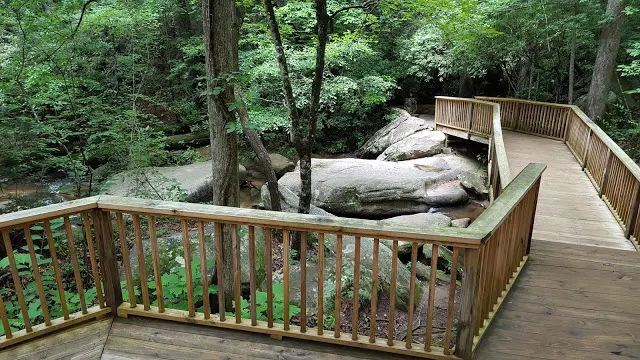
254	140
221	49
605	64
572	66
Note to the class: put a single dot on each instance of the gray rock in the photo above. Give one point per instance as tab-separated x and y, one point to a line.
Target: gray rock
379	189
393	132
420	220
423	272
461	223
418	145
242	174
474	182
190	182
411	105
281	164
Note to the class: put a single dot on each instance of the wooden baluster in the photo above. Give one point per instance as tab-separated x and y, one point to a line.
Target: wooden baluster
5	321
36	276
303	282
125	259
356	290
92	258
252	274
236	274
204	273
432	297
157	274
56	269
374	292
108	262
217	229
469	304
186	244
452	297
392	293
633	209
285	269
586	149
269	256
606	174
74	262
137	231
412	289
338	301
16	280
320	283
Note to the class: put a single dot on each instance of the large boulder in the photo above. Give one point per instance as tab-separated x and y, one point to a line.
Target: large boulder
418	145
385	258
393	132
381	189
281	164
474	182
422	220
188	182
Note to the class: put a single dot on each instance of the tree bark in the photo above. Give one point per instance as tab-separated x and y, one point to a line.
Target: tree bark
605	63
572	60
221	60
261	153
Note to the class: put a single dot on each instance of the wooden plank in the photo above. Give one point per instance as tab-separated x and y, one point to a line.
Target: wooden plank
252	276
320	283
269	277
56	324
286	241
374	291
303	282
124	249
5	321
186	245
74	263
204	273
399	347
412	289
157	273
17	282
37	277
217	230
236	275
48	212
338	299
468	306
56	268
92	258
450	307
110	270
294	221
142	271
432	298
392	295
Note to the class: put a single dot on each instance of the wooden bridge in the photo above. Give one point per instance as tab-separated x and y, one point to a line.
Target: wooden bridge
550	268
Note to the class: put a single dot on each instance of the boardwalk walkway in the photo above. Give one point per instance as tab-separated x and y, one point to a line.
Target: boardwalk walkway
577	297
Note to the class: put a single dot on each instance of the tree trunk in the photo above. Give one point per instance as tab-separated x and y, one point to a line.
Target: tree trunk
221	58
606	59
465	86
261	153
572	65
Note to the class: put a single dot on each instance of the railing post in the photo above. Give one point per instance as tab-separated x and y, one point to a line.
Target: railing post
533	215
469	306
605	175
108	262
566	125
470	117
633	210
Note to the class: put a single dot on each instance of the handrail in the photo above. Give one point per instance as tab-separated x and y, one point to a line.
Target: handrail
460	116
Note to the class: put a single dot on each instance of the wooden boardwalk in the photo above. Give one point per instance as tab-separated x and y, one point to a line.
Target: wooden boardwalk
577	297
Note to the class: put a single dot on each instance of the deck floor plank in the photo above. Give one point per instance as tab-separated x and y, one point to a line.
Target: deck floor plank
577	296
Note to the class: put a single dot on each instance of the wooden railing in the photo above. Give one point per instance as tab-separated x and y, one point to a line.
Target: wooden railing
492	251
478	121
613	173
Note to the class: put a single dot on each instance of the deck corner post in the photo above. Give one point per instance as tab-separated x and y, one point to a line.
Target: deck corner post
108	263
469	306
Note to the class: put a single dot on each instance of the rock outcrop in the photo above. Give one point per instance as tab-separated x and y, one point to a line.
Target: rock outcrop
393	132
418	145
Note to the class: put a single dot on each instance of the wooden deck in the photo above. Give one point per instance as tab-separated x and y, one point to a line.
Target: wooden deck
577	297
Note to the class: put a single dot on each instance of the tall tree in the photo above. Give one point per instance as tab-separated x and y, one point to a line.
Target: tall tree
303	128
221	65
605	63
